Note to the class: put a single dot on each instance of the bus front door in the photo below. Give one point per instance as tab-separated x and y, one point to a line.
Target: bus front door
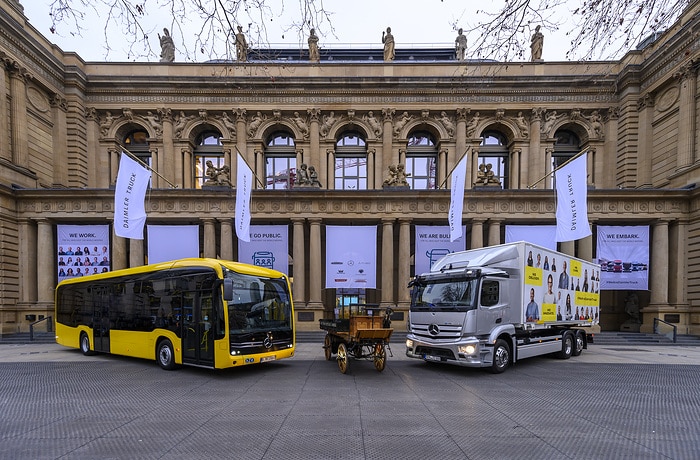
197	336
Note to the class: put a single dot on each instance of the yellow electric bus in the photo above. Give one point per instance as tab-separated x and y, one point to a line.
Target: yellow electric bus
198	312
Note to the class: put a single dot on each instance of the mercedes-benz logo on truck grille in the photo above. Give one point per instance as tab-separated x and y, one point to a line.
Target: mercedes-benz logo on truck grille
267	342
433	329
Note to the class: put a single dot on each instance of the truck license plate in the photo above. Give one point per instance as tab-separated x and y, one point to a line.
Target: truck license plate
432	358
265	359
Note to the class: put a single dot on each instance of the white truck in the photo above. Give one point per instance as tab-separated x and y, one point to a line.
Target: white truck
492	306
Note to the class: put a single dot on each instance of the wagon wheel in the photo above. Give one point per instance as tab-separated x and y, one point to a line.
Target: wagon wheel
343	362
328	347
379	357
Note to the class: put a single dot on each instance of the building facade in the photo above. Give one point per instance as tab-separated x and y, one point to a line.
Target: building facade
66	121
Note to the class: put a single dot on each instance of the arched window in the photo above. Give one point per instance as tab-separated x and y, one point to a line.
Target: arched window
137	144
421	161
280	161
494	151
351	162
567	145
208	147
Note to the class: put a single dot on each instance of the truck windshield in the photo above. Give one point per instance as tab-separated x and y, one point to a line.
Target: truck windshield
444	295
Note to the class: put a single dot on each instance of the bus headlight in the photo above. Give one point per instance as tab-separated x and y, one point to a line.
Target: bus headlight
466	349
409	343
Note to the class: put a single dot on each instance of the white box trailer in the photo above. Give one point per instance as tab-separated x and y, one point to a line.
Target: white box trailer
492	306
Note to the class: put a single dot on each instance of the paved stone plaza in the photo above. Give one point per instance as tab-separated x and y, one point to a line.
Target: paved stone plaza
633	402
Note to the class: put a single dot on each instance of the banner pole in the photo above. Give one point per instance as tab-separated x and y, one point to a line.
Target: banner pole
453	168
137	159
558	168
262	185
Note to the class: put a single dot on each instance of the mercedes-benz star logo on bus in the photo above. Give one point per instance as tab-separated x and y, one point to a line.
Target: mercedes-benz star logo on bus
267	342
433	329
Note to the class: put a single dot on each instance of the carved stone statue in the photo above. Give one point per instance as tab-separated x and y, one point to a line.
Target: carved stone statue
522	125
389	45
396	177
328	122
241	46
447	123
372	121
301	124
217	177
255	123
460	45
485	177
167	47
472	124
536	44
314	55
306	177
401	122
634	322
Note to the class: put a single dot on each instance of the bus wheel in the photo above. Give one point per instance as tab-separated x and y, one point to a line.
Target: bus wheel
85	344
501	357
165	355
578	343
567	345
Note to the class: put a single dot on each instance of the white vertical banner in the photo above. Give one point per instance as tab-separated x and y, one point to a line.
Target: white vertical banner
541	235
623	255
170	242
572	200
268	247
351	257
129	196
244	187
433	242
82	250
457	199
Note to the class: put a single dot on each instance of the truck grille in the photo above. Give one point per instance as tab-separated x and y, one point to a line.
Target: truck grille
437	331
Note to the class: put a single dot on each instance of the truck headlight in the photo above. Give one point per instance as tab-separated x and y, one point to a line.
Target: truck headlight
409	343
466	349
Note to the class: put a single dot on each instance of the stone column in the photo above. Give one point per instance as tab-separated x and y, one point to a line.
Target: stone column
658	268
530	169
460	146
136	256
226	243
18	109
59	107
404	262
606	179
568	247
473	165
371	161
118	259
477	240
28	261
45	272
645	108
585	248
494	232
185	168
515	175
687	77
549	181
241	139
170	170
387	142
678	269
113	165
314	139
5	153
330	169
387	262
298	253
157	165
209	237
315	264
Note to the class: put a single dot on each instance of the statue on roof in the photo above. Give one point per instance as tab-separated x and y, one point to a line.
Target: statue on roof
389	45
167	46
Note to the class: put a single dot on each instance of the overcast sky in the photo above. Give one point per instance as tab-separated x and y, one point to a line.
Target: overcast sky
356	22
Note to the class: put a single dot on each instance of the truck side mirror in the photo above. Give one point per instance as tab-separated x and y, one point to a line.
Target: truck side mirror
228	289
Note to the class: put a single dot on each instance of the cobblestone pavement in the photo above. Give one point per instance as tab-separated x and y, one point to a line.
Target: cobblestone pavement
631	402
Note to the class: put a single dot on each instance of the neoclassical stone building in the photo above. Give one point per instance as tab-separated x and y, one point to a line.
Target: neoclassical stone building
350	116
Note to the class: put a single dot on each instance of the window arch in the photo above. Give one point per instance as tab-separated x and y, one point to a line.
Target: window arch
136	142
494	151
566	145
421	161
351	162
280	161
208	147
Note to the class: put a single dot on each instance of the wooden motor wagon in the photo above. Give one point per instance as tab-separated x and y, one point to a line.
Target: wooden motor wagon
359	332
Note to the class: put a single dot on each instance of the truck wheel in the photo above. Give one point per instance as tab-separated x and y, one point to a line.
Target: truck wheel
567	345
342	358
579	340
501	357
328	347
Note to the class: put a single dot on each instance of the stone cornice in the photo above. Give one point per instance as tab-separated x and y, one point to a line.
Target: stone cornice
177	205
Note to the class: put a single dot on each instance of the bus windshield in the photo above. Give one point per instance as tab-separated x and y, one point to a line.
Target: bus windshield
444	295
259	305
